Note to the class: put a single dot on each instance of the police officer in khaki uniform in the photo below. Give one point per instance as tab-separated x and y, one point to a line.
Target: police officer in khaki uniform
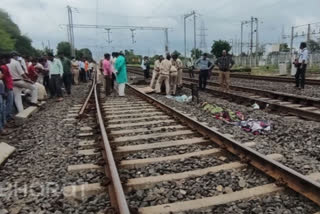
174	74
165	67
156	72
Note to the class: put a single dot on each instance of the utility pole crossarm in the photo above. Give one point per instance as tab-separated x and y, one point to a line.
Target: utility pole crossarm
109	27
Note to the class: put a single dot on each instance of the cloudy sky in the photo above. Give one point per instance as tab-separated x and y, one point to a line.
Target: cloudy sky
41	20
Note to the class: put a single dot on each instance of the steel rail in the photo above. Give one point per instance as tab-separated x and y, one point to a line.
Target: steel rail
284	175
266	93
310	115
255	77
300	112
85	104
111	167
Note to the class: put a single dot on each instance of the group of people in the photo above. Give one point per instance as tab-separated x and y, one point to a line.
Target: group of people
114	70
34	78
205	65
169	71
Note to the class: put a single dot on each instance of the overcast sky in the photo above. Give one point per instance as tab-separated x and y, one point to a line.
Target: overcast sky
41	20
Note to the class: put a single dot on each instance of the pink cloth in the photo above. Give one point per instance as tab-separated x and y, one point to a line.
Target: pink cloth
107	69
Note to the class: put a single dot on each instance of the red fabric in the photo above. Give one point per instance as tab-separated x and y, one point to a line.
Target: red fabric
7	78
32	74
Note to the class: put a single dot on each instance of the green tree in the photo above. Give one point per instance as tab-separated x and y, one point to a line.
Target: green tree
284	47
313	46
8	25
176	53
47	50
64	48
11	38
196	53
24	47
85	52
129	53
6	42
219	46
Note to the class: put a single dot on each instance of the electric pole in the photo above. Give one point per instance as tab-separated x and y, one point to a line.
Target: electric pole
70	31
291	42
257	35
309	33
186	16
257	40
132	35
108	33
195	29
251	36
203	42
166	36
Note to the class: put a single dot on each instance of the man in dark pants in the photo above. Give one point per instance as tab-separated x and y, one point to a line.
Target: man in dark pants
146	67
82	71
55	72
190	68
107	72
67	74
301	65
225	62
205	66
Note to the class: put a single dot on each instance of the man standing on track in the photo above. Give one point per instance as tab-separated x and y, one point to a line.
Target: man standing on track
145	65
67	74
122	79
302	66
190	68
165	68
75	70
224	63
156	72
86	68
114	71
205	66
174	73
107	72
179	66
55	72
82	71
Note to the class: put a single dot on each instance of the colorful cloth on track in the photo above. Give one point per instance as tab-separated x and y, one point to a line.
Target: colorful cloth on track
238	119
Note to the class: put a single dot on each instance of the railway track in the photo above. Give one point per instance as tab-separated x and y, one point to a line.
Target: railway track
254	77
139	128
289	104
158	160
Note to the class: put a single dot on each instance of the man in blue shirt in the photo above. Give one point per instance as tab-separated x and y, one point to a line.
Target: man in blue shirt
205	65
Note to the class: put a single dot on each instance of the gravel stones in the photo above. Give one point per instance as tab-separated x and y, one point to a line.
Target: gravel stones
37	172
182	165
174	150
293	138
209	185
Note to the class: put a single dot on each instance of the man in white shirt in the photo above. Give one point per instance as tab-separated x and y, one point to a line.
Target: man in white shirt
21	81
301	65
92	68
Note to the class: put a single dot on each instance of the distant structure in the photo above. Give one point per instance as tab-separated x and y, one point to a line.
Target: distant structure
203	37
